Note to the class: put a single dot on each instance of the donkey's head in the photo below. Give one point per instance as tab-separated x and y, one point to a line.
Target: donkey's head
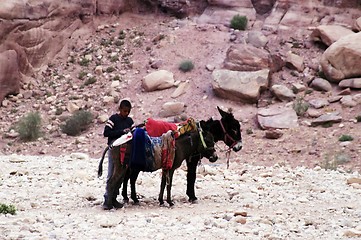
231	130
206	148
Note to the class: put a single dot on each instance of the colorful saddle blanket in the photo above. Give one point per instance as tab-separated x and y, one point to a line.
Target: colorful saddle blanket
152	153
156	128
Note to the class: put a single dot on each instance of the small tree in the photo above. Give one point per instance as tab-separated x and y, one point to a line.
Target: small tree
29	126
78	122
239	22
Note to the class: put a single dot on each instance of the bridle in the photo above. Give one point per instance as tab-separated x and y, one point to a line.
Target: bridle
227	136
234	142
201	138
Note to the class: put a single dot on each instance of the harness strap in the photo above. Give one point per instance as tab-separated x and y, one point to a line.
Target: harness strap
226	135
201	135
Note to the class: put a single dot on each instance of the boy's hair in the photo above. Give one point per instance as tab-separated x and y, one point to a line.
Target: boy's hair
125	103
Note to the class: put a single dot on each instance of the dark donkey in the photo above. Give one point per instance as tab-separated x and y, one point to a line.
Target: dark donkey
227	130
199	142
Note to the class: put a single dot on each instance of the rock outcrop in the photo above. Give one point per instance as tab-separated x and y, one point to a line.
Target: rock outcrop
343	58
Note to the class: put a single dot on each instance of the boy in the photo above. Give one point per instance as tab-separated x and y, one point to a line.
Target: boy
117	125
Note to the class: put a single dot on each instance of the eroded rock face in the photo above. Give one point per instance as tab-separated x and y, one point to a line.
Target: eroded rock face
9	73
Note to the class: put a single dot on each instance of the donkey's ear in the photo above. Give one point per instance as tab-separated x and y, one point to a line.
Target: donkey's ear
223	113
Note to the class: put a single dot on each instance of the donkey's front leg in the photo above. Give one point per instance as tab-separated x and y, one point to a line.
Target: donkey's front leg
162	187
125	186
191	178
169	187
133	178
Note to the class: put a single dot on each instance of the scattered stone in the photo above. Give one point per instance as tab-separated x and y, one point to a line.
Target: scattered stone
329	34
273	133
298	87
346	91
321	85
158	80
313	113
334	99
172	109
72	107
348	101
318	103
354	180
294	61
332	117
283	93
181	89
275	117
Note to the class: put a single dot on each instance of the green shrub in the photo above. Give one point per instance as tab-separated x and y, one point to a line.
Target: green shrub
84	62
300	106
110	69
249	131
78	122
5	209
90	80
82	75
186	66
122	34
105	42
119	43
114	58
239	22
29	126
345	138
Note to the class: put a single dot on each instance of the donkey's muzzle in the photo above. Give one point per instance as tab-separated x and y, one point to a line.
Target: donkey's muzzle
213	158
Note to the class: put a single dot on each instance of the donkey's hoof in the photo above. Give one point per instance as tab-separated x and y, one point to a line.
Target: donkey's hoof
193	200
107	206
117	204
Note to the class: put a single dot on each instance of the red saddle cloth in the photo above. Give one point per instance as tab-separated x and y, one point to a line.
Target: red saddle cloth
155	128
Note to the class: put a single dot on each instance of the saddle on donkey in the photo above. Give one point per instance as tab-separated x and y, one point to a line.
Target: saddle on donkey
154	147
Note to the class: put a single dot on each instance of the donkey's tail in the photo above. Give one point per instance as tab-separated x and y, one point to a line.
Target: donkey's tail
100	167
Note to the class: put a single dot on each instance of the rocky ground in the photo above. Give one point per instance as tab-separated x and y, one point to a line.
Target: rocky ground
286	192
60	198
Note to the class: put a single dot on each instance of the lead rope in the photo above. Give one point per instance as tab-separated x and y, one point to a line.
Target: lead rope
228	155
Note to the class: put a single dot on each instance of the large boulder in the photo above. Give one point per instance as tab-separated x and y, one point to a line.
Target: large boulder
158	80
329	34
343	58
277	118
9	74
246	57
240	86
